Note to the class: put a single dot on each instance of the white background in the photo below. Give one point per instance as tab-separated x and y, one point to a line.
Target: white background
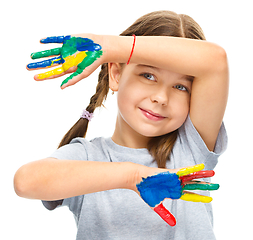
35	115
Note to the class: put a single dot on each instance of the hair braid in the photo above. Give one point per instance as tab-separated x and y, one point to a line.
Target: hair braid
159	23
80	127
101	90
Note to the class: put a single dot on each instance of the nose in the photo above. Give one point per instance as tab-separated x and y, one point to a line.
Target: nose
160	97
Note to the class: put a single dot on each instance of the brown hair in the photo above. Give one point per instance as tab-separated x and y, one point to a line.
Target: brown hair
159	23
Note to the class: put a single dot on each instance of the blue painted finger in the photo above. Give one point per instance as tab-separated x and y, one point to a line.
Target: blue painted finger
55	39
46	63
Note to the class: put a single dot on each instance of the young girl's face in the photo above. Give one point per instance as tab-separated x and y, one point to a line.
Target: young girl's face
152	101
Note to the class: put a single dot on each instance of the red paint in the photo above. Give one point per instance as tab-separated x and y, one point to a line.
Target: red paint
196	175
132	49
165	215
151	115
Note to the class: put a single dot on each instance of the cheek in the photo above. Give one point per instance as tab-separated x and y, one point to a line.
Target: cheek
124	99
129	93
180	108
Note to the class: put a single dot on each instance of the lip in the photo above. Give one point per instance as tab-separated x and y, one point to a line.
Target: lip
151	115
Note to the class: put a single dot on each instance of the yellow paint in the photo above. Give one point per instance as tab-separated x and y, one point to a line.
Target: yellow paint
55	72
70	61
192	197
74	60
188	170
54	61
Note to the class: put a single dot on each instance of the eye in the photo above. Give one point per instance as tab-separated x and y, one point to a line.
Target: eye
149	76
181	87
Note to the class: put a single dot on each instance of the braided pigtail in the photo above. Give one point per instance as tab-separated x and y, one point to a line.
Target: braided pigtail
79	129
159	23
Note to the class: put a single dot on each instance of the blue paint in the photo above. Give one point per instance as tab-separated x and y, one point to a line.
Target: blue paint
155	189
69	53
86	44
46	63
82	44
56	39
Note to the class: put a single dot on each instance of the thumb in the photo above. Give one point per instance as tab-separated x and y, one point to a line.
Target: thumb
165	214
80	74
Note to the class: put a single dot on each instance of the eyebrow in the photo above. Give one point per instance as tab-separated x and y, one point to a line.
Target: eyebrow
188	78
185	77
149	66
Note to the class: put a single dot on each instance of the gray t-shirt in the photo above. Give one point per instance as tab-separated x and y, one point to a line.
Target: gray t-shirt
122	214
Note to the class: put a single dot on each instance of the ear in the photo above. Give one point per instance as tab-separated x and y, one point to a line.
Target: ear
114	70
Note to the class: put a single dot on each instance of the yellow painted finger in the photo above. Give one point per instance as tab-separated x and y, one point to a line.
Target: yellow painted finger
193	197
188	170
70	61
55	72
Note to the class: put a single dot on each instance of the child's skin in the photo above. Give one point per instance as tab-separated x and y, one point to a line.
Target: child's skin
163	93
159	67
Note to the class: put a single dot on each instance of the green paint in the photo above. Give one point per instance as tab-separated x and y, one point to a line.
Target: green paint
71	53
46	53
204	187
66	50
69	47
91	57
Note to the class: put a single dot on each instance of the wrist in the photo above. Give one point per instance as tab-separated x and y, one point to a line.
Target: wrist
138	172
117	48
133	175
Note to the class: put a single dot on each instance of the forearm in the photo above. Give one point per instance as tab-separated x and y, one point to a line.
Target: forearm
182	55
52	179
205	61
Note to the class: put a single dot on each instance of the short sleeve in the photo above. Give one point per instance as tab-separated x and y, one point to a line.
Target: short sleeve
75	150
196	147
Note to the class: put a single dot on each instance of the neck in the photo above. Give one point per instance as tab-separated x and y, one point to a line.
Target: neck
125	136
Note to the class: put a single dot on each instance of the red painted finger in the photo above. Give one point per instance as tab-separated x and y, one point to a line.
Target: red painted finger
165	215
196	175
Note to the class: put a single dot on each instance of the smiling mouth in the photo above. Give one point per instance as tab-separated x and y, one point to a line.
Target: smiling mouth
151	115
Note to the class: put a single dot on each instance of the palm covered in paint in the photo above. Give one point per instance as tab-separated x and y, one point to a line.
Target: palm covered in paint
155	189
76	53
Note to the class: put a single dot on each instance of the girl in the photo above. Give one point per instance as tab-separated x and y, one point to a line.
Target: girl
171	101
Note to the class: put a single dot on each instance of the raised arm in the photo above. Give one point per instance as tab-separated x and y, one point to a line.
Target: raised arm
205	61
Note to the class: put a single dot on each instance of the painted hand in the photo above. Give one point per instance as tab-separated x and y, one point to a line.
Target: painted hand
76	54
156	188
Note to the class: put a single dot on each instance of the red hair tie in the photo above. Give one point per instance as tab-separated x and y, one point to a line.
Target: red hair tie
132	49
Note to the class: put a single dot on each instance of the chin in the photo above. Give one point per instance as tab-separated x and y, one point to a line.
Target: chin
150	134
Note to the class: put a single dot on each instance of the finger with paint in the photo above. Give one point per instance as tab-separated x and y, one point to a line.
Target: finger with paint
155	189
75	53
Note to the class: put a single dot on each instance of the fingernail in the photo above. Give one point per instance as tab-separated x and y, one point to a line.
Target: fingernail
30	65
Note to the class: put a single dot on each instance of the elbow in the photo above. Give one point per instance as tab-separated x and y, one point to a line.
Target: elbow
220	59
26	181
20	182
33	181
